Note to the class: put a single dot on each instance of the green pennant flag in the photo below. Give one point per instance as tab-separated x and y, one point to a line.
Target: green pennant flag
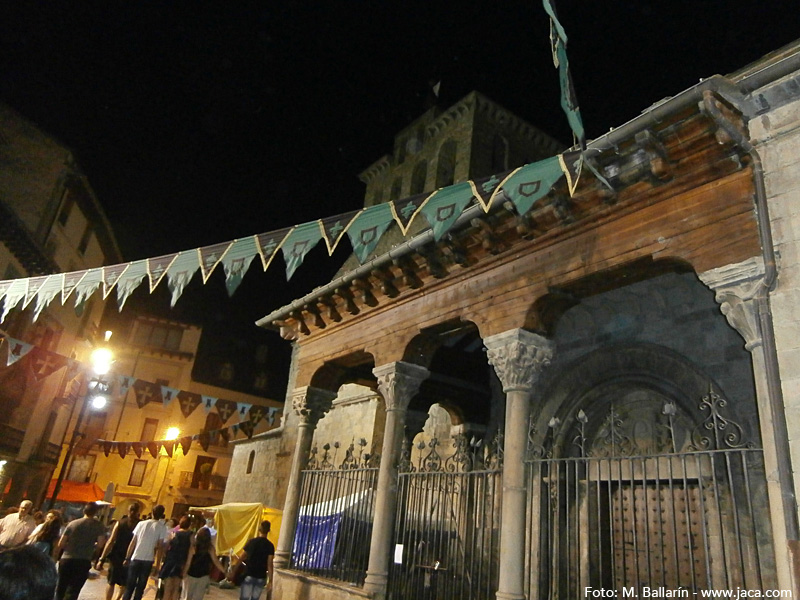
130	280
180	273
445	206
528	184
237	260
299	243
366	229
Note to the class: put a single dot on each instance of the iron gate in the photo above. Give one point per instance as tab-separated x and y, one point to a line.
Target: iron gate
448	522
661	502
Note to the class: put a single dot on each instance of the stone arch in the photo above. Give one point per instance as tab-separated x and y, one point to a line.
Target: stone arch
446	164
355	367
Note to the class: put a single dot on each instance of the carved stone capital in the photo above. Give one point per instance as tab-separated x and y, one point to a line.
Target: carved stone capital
398	382
311	404
736	289
518	356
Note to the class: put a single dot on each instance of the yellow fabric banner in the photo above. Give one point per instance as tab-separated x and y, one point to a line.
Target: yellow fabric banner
237	522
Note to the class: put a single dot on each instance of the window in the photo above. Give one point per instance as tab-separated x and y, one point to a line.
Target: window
84	243
137	472
226	372
261	381
66	207
446	164
499	153
418	178
397	188
250	461
149	430
158	336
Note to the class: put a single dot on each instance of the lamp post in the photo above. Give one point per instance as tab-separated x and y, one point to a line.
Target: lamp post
94	393
172	434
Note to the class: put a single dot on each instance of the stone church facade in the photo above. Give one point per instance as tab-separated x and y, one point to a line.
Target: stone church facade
602	392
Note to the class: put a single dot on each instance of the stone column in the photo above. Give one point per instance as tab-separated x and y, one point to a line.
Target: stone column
739	290
310	405
398	382
518	357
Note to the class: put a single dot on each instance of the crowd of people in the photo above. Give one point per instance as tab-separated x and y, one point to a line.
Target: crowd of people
44	558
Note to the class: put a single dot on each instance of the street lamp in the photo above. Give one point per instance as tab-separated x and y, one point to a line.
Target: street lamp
94	394
173	433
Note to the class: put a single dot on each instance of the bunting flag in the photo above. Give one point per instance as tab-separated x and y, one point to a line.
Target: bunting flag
571	163
14	293
188	401
268	244
234	430
168	394
49	290
153	448
247	428
129	280
107	447
367	228
4	285
122	449
225	436
111	275
298	243
334	228
445	206
146	392
88	285
169	447
211	256
271	415
138	449
256	414
45	363
208	403
569	101
243	410
124	383
157	268
34	285
71	281
483	189
205	440
180	273
406	209
186	444
528	184
16	350
236	262
225	408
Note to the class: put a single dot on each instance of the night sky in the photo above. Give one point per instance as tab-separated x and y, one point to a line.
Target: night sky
199	122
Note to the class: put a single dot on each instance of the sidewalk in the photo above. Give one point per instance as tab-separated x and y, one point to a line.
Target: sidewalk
95	589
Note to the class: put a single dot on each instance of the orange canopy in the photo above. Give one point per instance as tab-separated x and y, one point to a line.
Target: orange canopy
75	491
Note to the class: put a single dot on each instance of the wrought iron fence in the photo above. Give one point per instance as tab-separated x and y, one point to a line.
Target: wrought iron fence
663	502
448	522
336	511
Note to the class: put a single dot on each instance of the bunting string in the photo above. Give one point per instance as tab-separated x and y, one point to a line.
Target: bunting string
364	228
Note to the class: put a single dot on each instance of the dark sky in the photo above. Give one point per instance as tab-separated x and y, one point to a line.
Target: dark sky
198	122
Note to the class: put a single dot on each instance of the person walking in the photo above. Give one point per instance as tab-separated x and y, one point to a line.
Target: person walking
45	536
145	548
175	557
17	526
257	554
26	574
197	569
115	551
77	545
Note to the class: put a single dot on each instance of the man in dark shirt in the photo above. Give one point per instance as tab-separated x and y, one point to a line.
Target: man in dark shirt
258	554
78	542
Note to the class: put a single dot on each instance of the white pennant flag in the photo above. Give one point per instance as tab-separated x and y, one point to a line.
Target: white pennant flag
208	403
16	350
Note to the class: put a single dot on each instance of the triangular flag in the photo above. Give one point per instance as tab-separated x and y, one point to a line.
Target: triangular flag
157	268
107	447
484	188
247	428
256	414
45	363
528	184
188	401
299	243
130	280
111	275
271	415
236	262
16	350
34	285
146	392
4	285
168	394
445	206
169	446
124	383
406	209
88	285
572	164
153	448
49	290
205	440
208	403
367	228
122	448
269	243
225	437
210	257
71	281
243	410
138	448
180	273
186	444
225	408
15	292
334	228
234	430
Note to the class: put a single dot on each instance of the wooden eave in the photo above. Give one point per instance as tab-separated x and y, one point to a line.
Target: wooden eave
671	158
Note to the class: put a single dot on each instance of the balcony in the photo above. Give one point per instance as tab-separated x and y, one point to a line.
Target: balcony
198	481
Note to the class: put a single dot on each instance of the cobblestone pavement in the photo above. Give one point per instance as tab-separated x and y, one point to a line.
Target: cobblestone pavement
95	589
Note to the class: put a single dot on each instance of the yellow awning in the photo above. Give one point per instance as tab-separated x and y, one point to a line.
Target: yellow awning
237	522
